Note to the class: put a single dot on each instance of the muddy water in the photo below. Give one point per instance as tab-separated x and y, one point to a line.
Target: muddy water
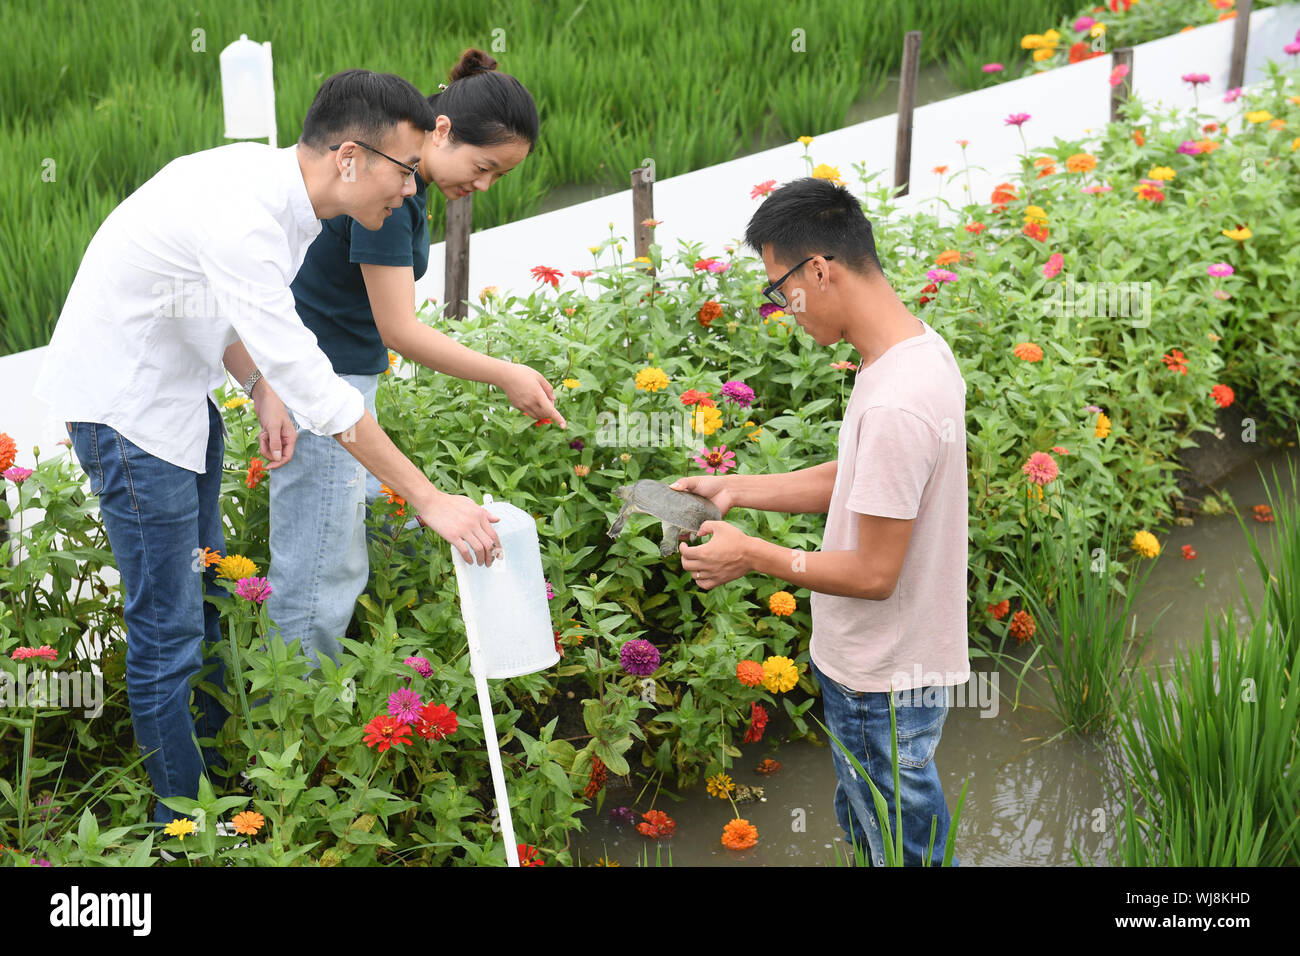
1035	797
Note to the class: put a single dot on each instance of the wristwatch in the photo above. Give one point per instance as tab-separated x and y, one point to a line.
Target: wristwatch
251	383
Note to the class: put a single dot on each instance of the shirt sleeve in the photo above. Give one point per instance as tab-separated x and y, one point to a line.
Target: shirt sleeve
389	245
896	454
247	262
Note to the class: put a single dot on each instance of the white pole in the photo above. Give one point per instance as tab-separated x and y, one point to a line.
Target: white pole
270	93
494	758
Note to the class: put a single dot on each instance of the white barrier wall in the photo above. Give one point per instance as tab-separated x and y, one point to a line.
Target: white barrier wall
712	205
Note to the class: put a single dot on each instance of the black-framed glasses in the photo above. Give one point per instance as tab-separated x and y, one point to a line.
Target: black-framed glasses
774	293
410	170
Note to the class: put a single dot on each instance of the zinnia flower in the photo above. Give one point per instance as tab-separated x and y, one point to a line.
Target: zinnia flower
762	189
832	173
1028	352
1003	193
1145	543
780	674
1189	552
1083	23
421	665
1188	147
404	704
842	365
1040	468
547	274
256	590
1222	395
716	460
1022	626
8	451
582	471
1103	426
1000	610
749	673
738	392
437	722
180	828
1241	233
781	603
708	312
622	814
947	257
528	855
386	730
394	498
44	652
1016	119
992	68
581	273
208	557
720	786
651	379
596	779
939	170
757	723
1036	230
739	834
1081	163
1149	189
235	566
1263	513
706	419
1163	173
1196	78
490	291
1053	267
692	397
657	825
1094	189
639	657
767	767
1175	360
1117	76
975	228
940	275
17	474
248	822
805	140
1258	116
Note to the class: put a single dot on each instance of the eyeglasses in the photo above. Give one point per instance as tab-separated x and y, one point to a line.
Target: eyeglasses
410	170
774	293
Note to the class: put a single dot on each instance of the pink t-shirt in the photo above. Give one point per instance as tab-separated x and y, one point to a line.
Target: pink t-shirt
902	454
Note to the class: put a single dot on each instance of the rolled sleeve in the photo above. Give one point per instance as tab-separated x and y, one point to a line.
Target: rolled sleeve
897	452
389	245
249	268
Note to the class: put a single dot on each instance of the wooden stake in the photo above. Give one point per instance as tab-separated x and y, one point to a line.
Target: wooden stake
906	101
456	287
1240	33
1118	94
643	207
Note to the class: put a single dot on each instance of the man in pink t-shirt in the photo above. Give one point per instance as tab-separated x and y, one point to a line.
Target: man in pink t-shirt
889	585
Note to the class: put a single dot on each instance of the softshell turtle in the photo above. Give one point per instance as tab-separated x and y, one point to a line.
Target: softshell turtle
678	511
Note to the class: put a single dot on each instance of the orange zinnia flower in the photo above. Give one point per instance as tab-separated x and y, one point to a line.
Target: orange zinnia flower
708	312
947	256
209	557
1003	193
1029	352
256	471
248	822
1022	626
739	834
999	610
749	673
1081	163
1222	395
1036	230
781	603
8	451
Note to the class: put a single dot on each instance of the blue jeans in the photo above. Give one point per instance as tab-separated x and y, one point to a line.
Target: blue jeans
158	516
860	721
319	565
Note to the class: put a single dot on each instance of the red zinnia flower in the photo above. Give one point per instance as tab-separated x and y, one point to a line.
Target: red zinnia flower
1222	395
1003	193
999	610
692	397
596	781
1263	513
1189	552
1036	230
1175	360
256	471
547	274
386	731
757	723
437	721
528	855
657	825
975	227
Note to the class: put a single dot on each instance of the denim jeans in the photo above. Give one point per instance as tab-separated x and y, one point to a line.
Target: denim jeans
860	721
158	516
319	565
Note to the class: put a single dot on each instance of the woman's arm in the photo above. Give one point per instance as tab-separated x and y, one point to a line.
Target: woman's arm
392	301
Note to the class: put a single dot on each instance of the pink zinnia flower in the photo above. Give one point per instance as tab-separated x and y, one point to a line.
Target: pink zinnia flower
1091	408
550	591
1041	468
941	275
1053	267
992	67
738	392
17	474
404	704
581	273
45	652
762	189
421	665
1232	95
1219	269
1117	75
716	459
256	590
1292	48
716	265
1060	450
1221	294
1016	119
1083	23
1093	190
1196	78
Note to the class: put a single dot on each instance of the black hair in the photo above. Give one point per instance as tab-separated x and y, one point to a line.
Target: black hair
486	108
363	105
807	217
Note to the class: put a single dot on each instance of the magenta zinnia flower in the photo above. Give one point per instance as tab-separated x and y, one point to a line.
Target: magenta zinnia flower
623	814
17	474
1292	48
941	275
1016	119
1232	95
738	392
550	592
992	67
1196	78
1041	468
639	657
404	704
767	308
421	665
1053	267
1219	269
256	590
1083	23
1188	147
1117	75
716	460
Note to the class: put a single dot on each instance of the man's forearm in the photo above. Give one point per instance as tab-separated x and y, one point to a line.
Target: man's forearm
240	364
807	491
371	446
440	352
827	572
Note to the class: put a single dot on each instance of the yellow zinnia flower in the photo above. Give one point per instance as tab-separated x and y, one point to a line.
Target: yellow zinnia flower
179	828
1295	144
651	379
753	436
706	419
1044	53
1097	29
1035	214
720	786
1145	543
487	292
1164	173
1239	234
1031	41
822	171
1258	116
1081	163
806	140
781	603
236	402
593	249
235	566
1103	426
645	259
570	383
779	674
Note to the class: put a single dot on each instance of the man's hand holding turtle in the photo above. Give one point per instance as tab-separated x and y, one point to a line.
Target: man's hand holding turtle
724	557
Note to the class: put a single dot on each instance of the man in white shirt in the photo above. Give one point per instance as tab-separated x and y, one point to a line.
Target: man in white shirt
888	586
189	273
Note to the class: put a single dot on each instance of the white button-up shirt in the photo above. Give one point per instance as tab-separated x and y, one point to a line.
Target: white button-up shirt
201	254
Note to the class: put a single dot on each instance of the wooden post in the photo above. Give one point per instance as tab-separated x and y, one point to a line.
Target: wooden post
456	286
1118	94
1240	33
906	100
643	207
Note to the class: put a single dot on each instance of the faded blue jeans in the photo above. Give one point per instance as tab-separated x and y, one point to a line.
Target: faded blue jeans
158	516
860	721
319	565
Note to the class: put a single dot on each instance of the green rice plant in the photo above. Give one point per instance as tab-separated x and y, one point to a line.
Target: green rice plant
1213	774
1082	612
1282	580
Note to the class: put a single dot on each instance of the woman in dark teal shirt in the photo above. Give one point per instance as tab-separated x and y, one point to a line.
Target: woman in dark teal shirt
356	292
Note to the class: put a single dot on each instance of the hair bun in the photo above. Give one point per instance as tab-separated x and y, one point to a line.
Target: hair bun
471	61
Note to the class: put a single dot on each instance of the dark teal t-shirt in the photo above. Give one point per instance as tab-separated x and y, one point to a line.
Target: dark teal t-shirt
330	292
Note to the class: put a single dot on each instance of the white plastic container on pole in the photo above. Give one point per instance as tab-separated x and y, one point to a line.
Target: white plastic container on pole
509	628
248	90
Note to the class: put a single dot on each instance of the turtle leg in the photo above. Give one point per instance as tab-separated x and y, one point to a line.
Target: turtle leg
669	544
617	527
